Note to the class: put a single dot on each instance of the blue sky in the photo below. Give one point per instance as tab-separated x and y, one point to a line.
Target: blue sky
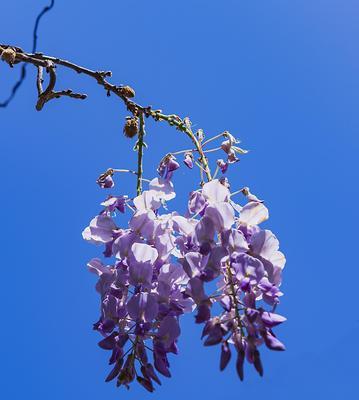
283	76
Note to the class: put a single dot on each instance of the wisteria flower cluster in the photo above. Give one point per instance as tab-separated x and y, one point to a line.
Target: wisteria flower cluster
161	265
214	260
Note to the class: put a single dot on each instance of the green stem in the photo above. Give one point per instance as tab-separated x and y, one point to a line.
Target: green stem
140	146
202	158
180	125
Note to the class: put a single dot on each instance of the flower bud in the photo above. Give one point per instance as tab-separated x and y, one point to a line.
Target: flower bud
105	180
200	134
257	362
225	356
167	165
230	137
115	371
239	364
8	55
146	383
222	165
188	159
131	127
224	181
226	146
127	91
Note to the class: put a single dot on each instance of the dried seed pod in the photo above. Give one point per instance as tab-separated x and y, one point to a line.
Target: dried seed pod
131	127
9	55
127	91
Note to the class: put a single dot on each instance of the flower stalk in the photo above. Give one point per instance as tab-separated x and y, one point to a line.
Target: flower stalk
139	148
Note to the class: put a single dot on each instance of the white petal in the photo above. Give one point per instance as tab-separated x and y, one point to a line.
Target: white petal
278	259
148	200
265	244
143	252
214	191
163	188
182	224
254	213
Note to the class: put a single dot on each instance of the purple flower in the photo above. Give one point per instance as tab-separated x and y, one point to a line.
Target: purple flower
214	331
96	266
232	157
253	213
204	231
246	266
221	215
143	306
270	291
264	244
226	146
160	359
196	291
196	203
235	241
272	342
225	356
163	263
105	181
141	259
271	320
101	229
167	166
222	165
168	331
115	203
123	243
193	264
143	223
173	274
148	200
188	159
215	192
162	188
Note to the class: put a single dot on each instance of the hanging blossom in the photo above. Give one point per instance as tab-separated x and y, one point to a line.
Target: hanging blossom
159	267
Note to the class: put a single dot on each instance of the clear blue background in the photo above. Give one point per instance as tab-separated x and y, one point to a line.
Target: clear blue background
282	75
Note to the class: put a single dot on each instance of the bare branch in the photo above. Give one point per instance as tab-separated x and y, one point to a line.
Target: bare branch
39	80
123	92
34	46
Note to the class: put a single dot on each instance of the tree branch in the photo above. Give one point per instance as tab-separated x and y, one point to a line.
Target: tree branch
34	46
14	55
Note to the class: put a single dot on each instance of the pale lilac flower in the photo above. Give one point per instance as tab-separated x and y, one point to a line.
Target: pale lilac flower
143	306
167	166
162	265
115	203
222	165
188	160
101	229
141	259
105	182
196	203
163	188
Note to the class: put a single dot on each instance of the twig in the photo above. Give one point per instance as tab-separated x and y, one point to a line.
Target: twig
34	45
39	80
123	92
